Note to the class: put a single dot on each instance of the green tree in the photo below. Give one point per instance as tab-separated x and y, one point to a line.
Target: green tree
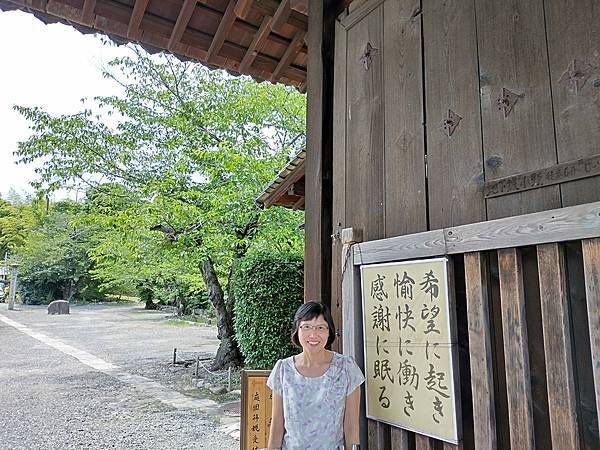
54	263
191	149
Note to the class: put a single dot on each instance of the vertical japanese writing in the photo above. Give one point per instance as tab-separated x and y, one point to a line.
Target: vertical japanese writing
409	352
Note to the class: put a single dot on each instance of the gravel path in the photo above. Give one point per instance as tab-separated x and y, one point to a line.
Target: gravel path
51	400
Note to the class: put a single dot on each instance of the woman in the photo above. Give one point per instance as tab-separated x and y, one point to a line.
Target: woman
316	394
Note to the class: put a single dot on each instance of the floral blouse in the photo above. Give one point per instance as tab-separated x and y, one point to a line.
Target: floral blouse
313	407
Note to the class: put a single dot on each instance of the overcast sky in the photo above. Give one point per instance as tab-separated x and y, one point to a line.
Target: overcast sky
52	66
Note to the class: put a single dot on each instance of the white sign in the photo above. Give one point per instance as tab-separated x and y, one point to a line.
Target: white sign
411	347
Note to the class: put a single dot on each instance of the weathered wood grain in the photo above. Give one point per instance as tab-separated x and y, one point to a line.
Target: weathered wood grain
339	164
351	298
314	153
185	14
480	349
289	55
223	30
403	183
516	355
399	438
455	163
591	264
557	346
557	174
512	55
364	140
573	32
351	302
535	345
139	8
564	224
418	245
424	442
576	222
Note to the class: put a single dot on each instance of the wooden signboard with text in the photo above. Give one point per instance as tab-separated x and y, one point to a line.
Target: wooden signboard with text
255	410
411	348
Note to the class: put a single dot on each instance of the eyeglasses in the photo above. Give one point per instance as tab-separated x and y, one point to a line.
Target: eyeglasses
318	328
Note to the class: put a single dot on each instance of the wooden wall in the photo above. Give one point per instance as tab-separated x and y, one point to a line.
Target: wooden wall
402	65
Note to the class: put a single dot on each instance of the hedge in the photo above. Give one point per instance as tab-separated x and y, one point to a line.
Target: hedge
268	289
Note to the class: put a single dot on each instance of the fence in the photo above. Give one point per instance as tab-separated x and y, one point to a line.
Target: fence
527	299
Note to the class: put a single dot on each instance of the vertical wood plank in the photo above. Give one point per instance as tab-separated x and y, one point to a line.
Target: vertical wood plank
399	439
454	163
424	442
591	263
352	314
512	55
557	346
516	354
480	348
404	183
364	141
500	396
573	32
314	152
339	170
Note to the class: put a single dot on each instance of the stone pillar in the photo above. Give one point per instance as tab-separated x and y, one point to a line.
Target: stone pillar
14	270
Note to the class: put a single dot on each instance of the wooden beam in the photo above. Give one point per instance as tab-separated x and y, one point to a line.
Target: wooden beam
556	225
185	14
300	6
281	16
556	329
591	264
480	349
242	8
299	204
139	8
222	31
87	13
516	353
289	55
270	8
257	44
61	10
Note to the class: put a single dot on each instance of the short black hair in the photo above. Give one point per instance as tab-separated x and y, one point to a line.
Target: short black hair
309	311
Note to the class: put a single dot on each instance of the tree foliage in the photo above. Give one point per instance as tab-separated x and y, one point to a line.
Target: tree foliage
172	168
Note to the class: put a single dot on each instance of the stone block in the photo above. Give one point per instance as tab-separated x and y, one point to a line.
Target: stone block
58	307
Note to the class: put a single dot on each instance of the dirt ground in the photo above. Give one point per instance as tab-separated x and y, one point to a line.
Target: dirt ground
103	377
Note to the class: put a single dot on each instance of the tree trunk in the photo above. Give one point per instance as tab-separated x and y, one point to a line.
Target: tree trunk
228	354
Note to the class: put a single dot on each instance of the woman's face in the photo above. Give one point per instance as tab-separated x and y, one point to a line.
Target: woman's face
313	334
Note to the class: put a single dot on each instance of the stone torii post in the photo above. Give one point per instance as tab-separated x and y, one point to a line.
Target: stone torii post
14	270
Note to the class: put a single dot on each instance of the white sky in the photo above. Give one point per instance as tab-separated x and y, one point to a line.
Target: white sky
52	66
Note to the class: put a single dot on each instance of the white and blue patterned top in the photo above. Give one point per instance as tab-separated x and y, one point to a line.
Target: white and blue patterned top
313	407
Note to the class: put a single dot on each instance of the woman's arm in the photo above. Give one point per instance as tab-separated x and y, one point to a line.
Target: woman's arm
351	418
277	423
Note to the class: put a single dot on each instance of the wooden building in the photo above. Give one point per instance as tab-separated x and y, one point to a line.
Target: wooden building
435	127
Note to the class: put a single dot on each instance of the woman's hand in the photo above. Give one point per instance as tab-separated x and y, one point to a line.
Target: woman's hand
277	423
351	418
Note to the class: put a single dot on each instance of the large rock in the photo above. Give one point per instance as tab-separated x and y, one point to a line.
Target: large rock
58	307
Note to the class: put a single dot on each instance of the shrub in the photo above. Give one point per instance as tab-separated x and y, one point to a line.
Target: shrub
268	289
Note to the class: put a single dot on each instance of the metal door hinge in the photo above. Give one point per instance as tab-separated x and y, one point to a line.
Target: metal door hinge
367	57
507	100
450	123
576	75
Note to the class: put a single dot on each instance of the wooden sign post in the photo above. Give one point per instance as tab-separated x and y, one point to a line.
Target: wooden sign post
255	409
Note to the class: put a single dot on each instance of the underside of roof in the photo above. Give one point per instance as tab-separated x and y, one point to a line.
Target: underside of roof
261	38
